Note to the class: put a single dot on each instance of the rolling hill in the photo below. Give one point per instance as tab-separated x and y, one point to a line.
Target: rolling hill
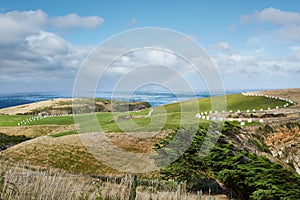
57	144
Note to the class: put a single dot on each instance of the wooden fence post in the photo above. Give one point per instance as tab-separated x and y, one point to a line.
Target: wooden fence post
133	185
178	192
199	195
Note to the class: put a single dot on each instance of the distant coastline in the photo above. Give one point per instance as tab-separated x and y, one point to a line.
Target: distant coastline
154	98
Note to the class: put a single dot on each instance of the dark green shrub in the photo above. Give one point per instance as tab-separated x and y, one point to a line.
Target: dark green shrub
249	176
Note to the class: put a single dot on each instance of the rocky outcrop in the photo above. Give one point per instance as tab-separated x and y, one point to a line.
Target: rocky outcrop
284	143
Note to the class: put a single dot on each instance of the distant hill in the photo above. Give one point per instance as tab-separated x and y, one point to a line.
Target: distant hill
64	106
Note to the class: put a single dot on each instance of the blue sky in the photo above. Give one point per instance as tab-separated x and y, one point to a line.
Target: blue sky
255	44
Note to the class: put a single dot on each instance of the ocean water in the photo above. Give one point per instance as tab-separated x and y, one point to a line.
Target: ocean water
15	99
154	98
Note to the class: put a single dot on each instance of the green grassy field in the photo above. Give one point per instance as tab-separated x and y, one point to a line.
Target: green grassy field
72	132
174	115
11	120
57	120
169	116
232	102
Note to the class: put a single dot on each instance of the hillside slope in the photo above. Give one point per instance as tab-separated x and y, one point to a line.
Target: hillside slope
253	150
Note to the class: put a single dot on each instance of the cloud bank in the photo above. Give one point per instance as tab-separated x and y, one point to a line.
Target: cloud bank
287	23
270	54
74	21
29	51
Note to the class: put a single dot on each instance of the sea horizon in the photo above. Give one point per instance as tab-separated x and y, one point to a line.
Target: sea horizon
155	98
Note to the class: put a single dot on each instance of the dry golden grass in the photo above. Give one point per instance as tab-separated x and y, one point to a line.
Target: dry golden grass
121	191
141	142
35	131
67	153
19	182
23	182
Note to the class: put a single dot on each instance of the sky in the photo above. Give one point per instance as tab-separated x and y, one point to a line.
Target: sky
254	44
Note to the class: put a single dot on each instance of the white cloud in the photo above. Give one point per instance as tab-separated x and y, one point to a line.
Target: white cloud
118	70
160	57
125	59
254	63
16	25
74	21
287	23
291	33
134	21
47	44
29	52
142	57
41	56
224	46
273	16
269	57
295	53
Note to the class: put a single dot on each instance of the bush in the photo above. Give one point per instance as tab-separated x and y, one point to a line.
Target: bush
7	141
249	176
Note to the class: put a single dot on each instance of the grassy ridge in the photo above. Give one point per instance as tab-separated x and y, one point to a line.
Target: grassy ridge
172	116
72	132
241	102
233	102
59	120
